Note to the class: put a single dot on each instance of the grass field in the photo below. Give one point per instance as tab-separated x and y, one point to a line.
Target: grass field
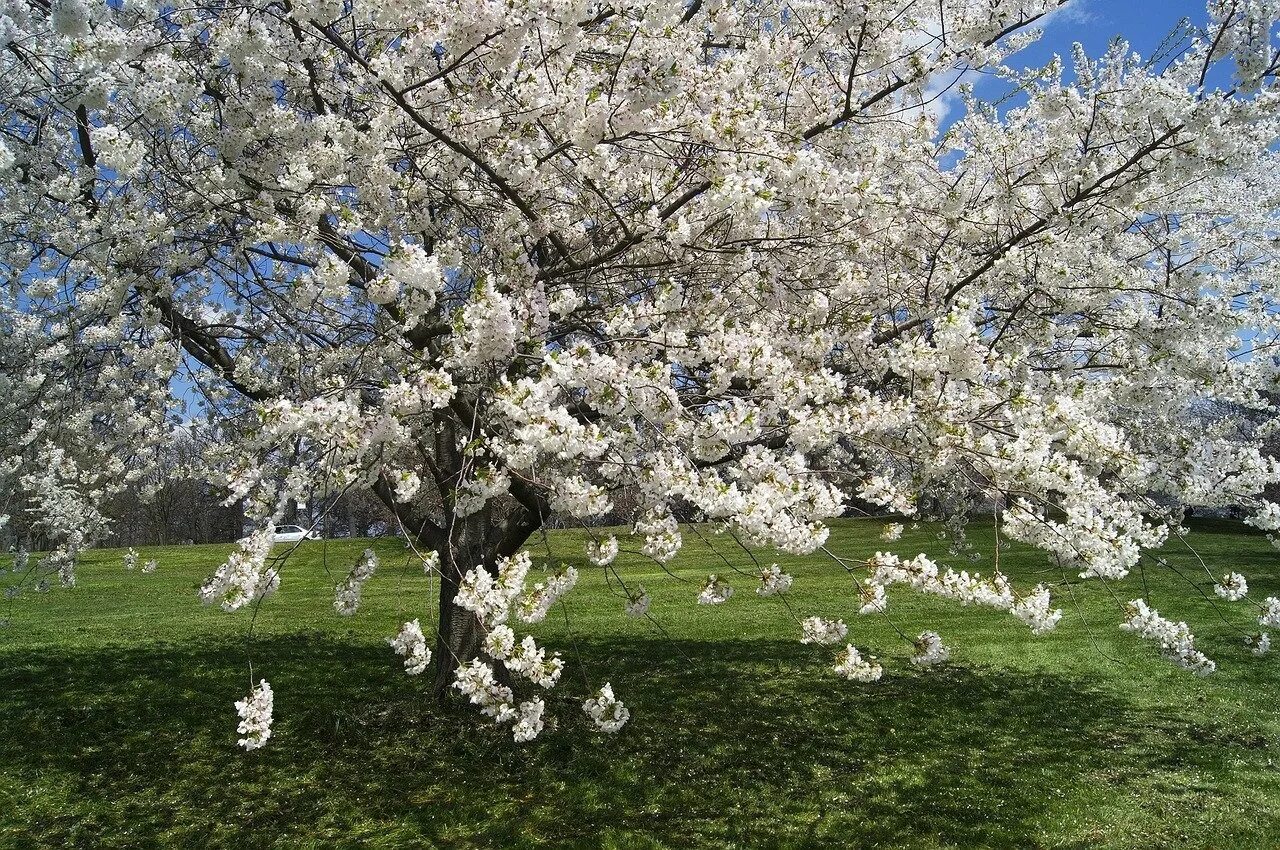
117	727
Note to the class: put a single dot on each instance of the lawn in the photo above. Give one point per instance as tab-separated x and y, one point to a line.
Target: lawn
119	731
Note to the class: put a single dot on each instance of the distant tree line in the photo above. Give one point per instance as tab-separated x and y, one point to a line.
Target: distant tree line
172	505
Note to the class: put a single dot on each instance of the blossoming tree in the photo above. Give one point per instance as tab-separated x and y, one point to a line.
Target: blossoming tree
501	260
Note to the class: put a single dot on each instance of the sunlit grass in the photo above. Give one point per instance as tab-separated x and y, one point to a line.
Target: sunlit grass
119	730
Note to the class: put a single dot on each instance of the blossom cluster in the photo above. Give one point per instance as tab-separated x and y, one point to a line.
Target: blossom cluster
661	535
715	591
1270	616
525	658
924	574
930	650
244	577
490	596
1232	587
1033	609
608	712
255	716
852	665
773	581
1175	639
822	631
637	604
410	643
493	598
533	605
347	594
601	553
476	681
871	597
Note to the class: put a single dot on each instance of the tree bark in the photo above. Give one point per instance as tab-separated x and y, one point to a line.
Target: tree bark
476	541
461	639
461	633
463	543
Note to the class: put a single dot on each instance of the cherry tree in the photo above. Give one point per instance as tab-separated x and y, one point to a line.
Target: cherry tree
507	260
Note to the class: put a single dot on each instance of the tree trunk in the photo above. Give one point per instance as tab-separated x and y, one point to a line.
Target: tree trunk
461	633
461	639
480	541
464	543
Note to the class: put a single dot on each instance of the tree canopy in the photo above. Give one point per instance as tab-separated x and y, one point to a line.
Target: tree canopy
508	260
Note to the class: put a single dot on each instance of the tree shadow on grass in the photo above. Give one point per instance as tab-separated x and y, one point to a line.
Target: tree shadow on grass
758	747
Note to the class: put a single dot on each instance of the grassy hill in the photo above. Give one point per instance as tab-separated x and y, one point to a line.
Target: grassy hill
117	727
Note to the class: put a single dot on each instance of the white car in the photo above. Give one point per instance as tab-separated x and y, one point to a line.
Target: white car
292	534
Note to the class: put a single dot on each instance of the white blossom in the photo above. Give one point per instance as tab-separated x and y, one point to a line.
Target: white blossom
822	631
383	290
70	17
851	665
412	645
244	577
406	484
603	552
637	604
661	535
883	491
347	594
490	597
533	606
476	681
255	716
1175	639
714	591
891	531
1232	587
500	642
1270	617
1033	609
487	483
608	712
529	660
871	598
930	651
528	720
773	581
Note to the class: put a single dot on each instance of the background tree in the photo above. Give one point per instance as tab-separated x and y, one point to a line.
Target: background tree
172	502
497	261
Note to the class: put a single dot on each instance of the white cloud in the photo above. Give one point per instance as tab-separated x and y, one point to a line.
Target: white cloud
1077	13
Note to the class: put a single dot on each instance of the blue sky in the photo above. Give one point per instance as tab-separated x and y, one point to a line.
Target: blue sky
1094	23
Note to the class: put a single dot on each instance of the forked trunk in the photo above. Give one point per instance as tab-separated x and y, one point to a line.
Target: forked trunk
477	540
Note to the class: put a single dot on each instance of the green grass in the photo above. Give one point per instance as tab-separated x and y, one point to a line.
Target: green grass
117	724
